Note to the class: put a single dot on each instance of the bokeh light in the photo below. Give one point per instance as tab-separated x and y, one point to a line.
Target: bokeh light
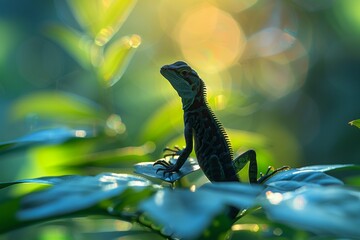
234	5
282	77
209	38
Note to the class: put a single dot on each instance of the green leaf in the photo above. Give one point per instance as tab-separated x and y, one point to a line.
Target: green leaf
101	19
57	105
148	169
77	45
47	136
167	121
116	59
355	123
75	194
114	16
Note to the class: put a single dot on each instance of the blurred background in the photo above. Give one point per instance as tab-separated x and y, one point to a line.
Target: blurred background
81	92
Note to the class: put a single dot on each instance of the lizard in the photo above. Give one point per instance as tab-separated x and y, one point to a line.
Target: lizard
204	132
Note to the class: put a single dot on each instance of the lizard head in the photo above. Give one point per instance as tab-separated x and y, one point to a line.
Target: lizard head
185	81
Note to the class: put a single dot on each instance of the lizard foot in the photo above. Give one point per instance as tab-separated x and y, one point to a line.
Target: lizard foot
168	168
268	174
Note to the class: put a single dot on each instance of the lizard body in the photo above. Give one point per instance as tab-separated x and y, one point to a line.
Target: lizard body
203	131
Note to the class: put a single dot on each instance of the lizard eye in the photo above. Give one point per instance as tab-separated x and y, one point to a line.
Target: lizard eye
184	73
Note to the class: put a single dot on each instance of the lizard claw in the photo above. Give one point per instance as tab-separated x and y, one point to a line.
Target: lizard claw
268	174
168	168
162	162
176	151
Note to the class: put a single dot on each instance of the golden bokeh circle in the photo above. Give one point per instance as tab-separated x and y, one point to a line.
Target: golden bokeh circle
209	38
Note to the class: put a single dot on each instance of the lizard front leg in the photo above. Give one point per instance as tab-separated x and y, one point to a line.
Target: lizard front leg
183	154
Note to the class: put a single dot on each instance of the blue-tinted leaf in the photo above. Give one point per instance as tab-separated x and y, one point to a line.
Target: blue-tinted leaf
188	213
292	179
77	194
185	212
326	168
42	180
112	235
329	210
148	169
234	194
47	136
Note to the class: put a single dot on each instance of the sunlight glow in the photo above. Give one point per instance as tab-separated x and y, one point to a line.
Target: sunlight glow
220	102
103	36
109	183
115	125
299	203
277	231
80	133
246	227
274	198
210	39
159	198
122	225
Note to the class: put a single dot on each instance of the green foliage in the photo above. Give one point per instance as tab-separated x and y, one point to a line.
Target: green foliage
304	198
71	134
59	105
355	123
92	48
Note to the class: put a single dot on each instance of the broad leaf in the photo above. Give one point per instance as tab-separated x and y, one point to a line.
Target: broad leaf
41	180
188	213
77	193
327	168
307	198
292	179
329	211
148	169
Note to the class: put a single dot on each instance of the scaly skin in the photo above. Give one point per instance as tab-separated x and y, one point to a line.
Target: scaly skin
212	146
